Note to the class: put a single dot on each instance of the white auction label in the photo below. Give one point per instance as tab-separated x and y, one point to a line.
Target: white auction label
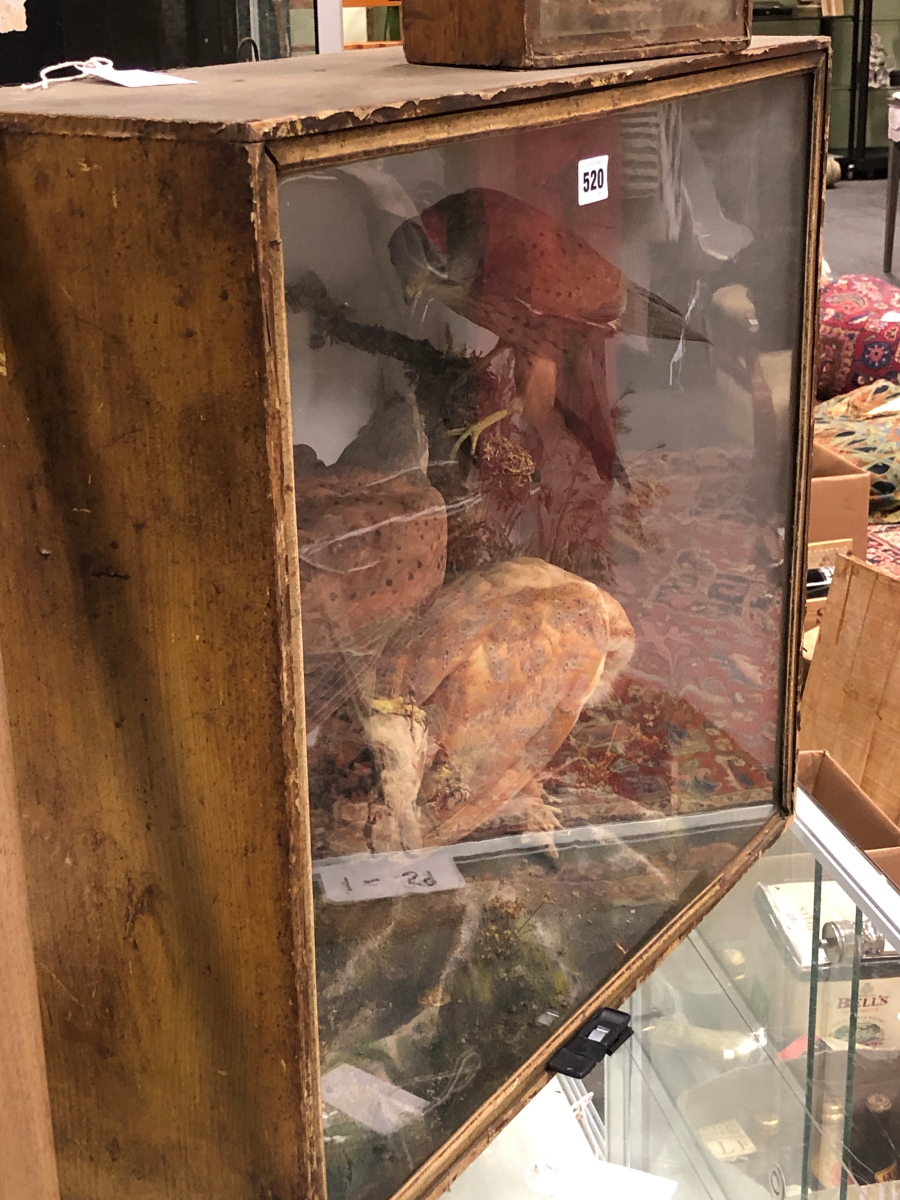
373	1102
593	179
133	77
413	873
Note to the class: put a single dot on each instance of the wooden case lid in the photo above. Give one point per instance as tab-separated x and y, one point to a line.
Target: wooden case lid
294	97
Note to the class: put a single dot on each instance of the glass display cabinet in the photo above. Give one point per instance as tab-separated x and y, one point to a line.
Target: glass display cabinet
765	1055
402	513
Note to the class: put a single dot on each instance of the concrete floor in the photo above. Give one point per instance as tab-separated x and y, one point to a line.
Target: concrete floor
854	229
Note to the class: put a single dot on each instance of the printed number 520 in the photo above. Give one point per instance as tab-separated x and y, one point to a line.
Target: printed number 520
593	179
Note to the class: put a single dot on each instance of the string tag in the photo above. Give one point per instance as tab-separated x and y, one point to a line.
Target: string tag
102	68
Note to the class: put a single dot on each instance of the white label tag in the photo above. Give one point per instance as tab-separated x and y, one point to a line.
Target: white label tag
101	68
593	179
136	78
727	1141
381	875
372	1101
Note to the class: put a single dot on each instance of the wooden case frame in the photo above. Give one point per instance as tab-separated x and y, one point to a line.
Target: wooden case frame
507	34
157	986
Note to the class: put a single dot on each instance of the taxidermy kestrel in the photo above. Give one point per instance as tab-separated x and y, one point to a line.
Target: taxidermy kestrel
543	290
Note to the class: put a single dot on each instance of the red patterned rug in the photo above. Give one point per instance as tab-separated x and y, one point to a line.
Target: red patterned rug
884	548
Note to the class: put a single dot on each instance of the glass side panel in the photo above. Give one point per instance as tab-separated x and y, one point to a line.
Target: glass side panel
643	23
708	1101
769	1043
543	392
854	1076
720	1047
765	1063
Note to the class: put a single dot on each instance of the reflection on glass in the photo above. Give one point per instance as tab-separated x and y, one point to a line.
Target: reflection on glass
543	453
711	1093
748	1076
661	22
556	1148
854	1080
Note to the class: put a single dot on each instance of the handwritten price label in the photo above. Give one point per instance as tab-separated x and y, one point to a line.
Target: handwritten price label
384	875
727	1141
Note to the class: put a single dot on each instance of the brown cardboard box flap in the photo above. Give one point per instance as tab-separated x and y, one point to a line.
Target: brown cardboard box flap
846	803
839	500
828	464
851	702
888	861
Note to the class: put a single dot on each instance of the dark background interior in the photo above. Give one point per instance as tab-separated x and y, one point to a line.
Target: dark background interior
154	34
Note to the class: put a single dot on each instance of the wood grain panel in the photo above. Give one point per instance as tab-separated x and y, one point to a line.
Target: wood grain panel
374	140
311	94
465	33
147	598
27	1158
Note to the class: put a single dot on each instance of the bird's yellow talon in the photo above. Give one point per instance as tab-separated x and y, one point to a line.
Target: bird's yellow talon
475	431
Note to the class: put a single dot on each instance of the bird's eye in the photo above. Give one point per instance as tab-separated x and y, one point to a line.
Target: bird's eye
411	249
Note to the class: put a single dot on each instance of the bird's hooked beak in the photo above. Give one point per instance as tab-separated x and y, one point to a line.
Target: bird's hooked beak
421	266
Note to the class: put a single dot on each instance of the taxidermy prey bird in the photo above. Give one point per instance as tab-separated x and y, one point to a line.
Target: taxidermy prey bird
545	292
475	698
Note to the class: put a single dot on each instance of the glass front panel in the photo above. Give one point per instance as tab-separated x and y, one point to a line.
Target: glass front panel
544	386
641	23
854	1077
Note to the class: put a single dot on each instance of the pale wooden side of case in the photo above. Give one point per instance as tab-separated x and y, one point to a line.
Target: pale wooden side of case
27	1157
149	616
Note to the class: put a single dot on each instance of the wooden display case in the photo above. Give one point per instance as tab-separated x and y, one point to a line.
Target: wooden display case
553	33
487	393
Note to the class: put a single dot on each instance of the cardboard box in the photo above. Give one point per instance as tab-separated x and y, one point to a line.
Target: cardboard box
851	702
822	554
839	500
850	808
846	803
